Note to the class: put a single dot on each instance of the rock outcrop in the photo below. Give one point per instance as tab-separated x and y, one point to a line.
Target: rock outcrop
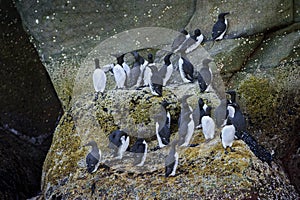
259	57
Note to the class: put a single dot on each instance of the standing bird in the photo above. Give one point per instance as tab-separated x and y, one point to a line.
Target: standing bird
227	135
220	113
167	69
119	73
206	73
155	80
199	112
162	125
179	40
171	161
120	60
187	125
93	158
193	42
147	73
208	125
99	79
238	120
142	63
140	148
119	141
186	69
220	27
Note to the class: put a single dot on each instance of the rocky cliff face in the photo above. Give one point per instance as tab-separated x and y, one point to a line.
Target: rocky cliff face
259	58
29	106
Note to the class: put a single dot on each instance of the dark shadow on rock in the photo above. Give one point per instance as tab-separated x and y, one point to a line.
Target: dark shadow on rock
29	108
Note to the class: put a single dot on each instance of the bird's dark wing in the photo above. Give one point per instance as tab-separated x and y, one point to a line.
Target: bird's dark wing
164	134
91	162
169	169
218	29
189	71
202	84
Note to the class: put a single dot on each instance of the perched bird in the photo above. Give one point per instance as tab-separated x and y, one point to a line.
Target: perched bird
155	80
134	74
142	64
120	60
208	124
162	125
167	69
119	74
206	73
99	79
227	135
171	161
220	27
238	119
93	158
179	40
193	42
199	112
186	69
147	73
187	125
119	141
220	113
140	148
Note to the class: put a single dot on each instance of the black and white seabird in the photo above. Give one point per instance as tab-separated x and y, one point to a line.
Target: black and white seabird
186	69
206	73
238	119
220	27
147	72
162	125
227	135
179	40
140	148
193	42
187	125
199	112
125	66
167	69
142	64
99	79
208	124
155	80
119	73
93	158
220	113
171	161
119	141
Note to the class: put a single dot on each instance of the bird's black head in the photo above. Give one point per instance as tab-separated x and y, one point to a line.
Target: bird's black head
150	58
120	59
97	66
200	102
222	15
206	61
165	103
167	58
208	111
197	32
183	31
231	92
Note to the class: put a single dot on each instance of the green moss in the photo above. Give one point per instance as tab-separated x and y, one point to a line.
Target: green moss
259	97
65	152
